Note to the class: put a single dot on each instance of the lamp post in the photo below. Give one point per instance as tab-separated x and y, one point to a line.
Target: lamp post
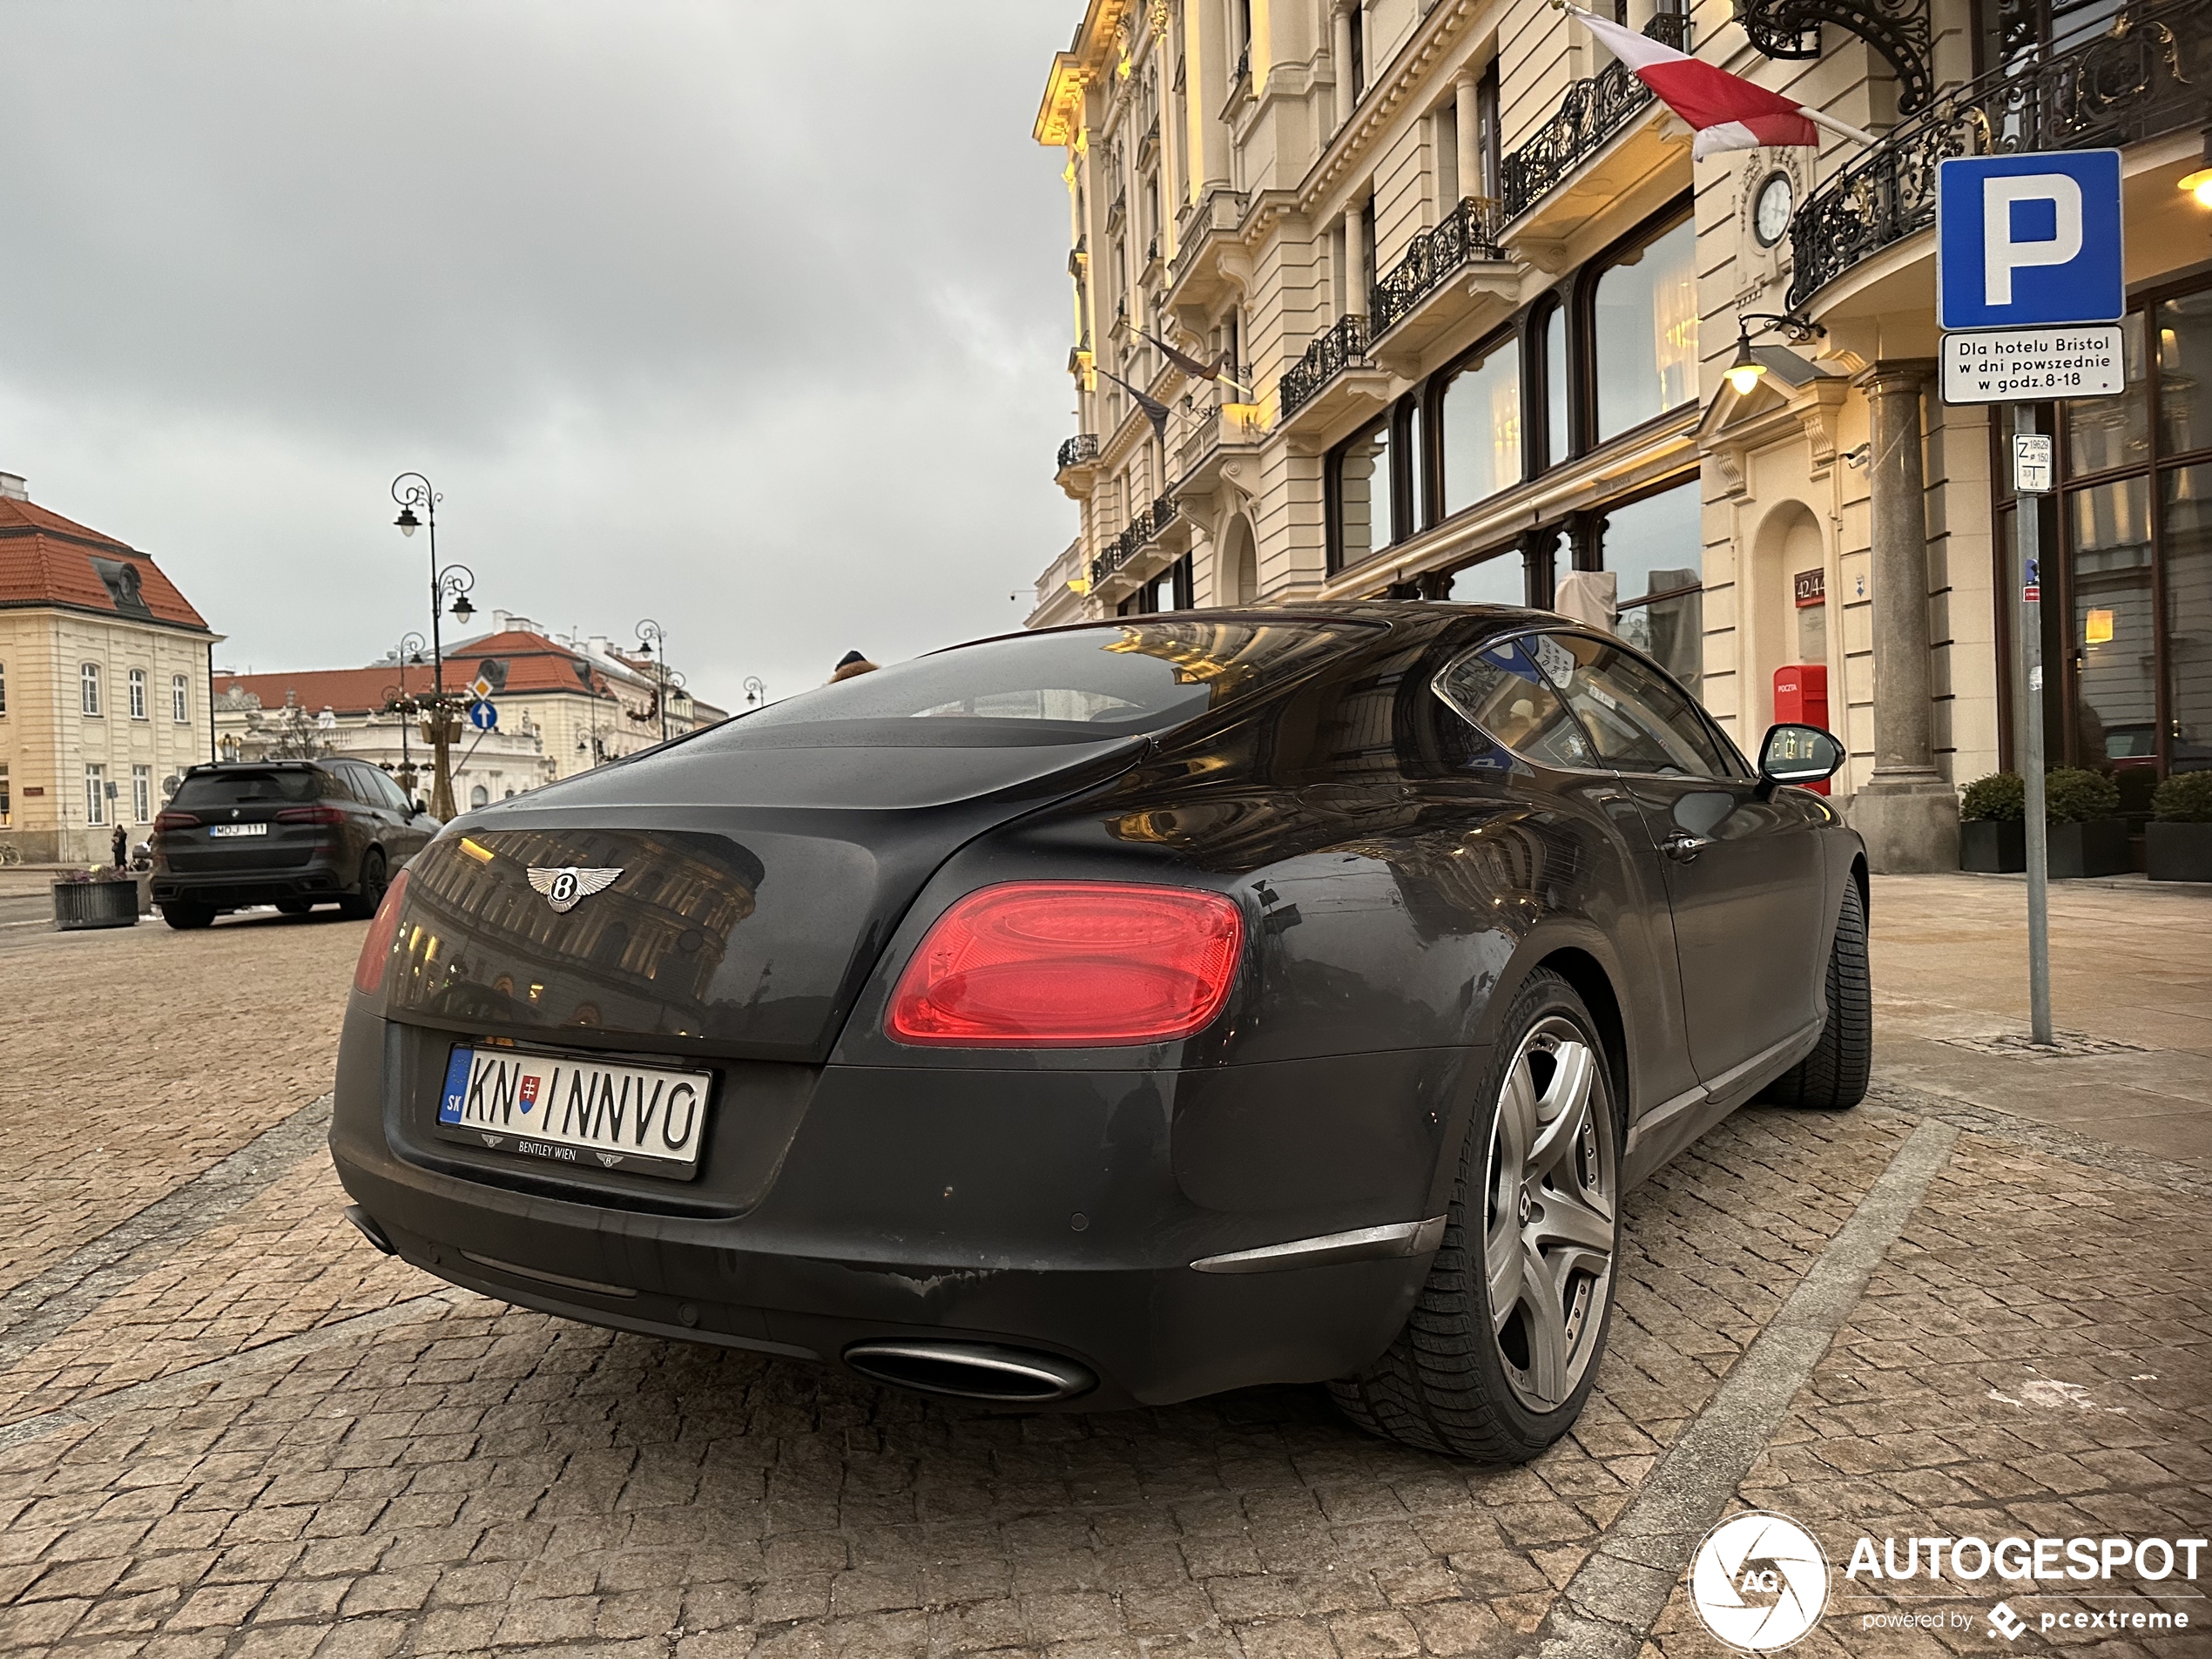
649	634
411	490
756	690
410	651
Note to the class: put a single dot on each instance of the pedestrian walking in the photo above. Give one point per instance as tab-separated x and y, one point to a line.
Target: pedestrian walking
850	665
120	842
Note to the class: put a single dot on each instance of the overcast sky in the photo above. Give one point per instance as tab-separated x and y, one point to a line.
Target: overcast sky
749	317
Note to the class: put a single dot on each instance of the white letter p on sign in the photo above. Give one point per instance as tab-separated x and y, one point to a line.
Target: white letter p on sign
2001	255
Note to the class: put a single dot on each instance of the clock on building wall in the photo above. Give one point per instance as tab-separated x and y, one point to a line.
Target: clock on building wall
1771	208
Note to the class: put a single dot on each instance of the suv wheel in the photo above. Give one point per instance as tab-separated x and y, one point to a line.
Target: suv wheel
1504	1342
361	905
188	916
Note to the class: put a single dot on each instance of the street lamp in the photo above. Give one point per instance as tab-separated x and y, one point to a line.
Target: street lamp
411	648
649	634
756	690
413	490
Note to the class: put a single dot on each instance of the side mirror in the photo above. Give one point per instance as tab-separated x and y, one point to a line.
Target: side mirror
1798	754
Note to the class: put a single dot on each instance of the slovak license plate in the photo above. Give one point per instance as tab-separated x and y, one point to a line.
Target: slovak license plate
238	829
574	1110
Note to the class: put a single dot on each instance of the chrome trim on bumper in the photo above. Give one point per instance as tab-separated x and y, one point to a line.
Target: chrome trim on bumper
1364	1243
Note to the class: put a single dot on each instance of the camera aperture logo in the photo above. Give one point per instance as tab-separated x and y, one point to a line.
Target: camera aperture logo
1759	1581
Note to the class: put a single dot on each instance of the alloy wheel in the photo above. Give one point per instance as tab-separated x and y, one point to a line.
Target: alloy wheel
1549	1230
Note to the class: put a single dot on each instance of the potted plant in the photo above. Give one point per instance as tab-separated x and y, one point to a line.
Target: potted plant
102	897
2177	842
1992	838
2087	835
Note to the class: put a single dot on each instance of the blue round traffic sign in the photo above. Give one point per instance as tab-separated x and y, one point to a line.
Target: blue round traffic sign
482	715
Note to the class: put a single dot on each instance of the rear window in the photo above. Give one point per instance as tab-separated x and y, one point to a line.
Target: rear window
1083	685
248	788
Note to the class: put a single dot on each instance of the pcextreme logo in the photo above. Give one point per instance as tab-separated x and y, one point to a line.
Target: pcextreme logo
1759	1581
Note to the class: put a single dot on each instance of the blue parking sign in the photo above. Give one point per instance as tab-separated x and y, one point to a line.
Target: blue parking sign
2028	241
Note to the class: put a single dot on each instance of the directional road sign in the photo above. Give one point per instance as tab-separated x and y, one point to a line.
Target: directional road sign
2023	240
483	715
480	688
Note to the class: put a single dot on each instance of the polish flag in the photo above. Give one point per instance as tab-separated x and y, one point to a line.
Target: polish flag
1727	112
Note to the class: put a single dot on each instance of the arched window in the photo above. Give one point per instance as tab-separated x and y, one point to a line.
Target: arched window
1643	330
479	796
1365	479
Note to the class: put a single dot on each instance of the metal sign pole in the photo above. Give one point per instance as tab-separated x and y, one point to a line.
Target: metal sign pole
2027	514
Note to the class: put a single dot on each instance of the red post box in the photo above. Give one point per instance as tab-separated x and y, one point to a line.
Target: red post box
1801	698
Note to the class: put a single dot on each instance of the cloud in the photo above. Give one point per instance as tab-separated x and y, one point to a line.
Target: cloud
749	318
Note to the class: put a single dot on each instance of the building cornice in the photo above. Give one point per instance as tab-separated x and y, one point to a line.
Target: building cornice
198	630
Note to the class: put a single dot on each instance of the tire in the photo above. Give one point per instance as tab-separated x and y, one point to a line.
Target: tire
1833	1077
1455	1380
361	905
185	917
294	907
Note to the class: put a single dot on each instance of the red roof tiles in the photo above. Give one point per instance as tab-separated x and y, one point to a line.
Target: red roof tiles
534	665
47	560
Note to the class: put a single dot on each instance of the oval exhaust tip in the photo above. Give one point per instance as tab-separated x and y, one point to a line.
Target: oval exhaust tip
366	1225
972	1371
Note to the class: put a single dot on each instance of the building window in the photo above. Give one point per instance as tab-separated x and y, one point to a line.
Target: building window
142	794
7	801
137	693
1366	487
1169	591
88	686
1643	331
2128	557
1499	578
180	699
1553	407
3	688
1655	547
96	795
479	796
1478	417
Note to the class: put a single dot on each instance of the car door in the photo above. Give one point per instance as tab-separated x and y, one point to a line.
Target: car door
349	792
1531	746
397	829
1741	862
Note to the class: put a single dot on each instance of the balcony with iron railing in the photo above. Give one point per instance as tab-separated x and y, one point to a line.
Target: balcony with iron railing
1590	115
1138	534
1078	451
1342	346
2144	77
1449	274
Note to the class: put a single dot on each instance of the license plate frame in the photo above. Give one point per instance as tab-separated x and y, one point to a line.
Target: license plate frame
481	1102
227	830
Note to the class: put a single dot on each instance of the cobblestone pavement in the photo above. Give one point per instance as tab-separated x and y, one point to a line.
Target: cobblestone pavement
241	1432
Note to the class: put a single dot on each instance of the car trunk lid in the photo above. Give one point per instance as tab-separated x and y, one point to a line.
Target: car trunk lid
752	890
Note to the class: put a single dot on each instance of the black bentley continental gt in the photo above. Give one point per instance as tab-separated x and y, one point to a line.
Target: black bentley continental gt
1119	1014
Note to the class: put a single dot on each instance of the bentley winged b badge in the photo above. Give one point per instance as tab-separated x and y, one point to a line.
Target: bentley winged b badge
564	887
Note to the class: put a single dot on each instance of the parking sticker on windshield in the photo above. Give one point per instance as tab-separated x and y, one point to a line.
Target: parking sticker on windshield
1557	662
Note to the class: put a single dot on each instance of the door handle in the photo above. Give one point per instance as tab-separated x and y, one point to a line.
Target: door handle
1683	846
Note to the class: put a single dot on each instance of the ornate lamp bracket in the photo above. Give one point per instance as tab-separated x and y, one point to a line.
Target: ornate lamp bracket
1899	30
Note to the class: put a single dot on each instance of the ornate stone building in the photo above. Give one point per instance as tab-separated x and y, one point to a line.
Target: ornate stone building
1476	305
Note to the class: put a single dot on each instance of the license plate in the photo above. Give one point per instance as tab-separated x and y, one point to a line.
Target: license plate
238	829
569	1110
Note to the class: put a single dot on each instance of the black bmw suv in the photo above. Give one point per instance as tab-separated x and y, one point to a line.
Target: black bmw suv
294	833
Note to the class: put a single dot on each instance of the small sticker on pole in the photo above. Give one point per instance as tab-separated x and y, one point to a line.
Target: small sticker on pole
2032	462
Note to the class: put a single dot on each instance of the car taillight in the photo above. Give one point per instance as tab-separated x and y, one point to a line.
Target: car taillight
311	815
175	820
1069	964
376	949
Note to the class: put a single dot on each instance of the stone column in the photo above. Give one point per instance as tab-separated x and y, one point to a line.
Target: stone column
1355	260
1907	813
1340	56
1468	116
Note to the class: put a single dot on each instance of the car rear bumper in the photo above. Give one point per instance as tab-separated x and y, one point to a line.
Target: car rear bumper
1048	1216
233	890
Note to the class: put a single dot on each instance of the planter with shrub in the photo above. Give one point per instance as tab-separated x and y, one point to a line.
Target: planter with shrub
2177	842
96	898
1992	839
2085	832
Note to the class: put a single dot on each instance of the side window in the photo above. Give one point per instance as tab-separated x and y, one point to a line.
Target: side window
333	784
387	791
1505	693
1640	720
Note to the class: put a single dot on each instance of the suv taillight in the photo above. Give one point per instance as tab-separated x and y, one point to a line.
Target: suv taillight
1069	964
376	949
311	815
175	820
